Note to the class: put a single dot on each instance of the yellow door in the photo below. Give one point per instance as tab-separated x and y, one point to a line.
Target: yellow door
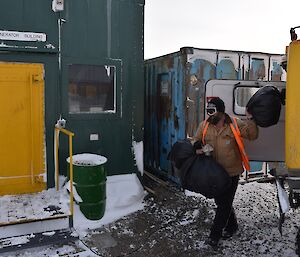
22	133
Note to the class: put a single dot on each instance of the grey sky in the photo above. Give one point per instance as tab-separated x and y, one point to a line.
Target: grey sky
253	25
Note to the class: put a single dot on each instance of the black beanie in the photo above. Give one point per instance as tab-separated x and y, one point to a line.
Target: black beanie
218	103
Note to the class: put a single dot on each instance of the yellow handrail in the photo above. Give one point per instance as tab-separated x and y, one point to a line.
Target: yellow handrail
70	134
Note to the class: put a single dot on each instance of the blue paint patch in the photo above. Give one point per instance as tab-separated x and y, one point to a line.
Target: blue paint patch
226	70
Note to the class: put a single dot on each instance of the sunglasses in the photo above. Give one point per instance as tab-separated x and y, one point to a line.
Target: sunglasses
211	110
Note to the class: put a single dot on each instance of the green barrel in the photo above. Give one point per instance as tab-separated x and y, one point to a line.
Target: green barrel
89	176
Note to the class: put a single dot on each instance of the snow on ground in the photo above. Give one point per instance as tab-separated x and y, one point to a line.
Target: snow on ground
124	196
257	212
31	206
255	204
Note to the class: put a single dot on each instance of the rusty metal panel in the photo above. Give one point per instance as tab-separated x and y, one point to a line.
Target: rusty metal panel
165	121
201	68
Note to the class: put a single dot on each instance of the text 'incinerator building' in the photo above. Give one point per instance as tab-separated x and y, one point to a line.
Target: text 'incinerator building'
78	59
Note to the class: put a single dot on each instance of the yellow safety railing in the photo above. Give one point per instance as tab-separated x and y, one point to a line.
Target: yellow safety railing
70	134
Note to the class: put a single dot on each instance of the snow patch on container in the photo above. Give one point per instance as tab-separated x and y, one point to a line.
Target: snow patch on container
138	150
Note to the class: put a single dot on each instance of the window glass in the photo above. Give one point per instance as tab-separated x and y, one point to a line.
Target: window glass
243	94
91	88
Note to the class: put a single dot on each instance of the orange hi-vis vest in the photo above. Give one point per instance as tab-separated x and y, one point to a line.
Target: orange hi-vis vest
237	135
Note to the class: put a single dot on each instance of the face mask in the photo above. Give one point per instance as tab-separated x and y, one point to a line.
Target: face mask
211	111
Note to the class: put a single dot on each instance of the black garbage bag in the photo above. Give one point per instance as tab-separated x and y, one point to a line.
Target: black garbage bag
206	176
265	106
199	173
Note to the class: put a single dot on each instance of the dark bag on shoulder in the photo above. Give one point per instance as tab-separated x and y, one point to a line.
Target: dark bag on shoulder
199	173
181	151
265	106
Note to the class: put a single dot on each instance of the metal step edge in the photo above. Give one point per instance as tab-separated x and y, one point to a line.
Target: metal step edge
17	243
35	226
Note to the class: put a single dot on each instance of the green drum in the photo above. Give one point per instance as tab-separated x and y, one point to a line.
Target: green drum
89	177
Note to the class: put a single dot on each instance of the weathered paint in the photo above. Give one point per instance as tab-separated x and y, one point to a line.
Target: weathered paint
177	113
276	73
164	110
259	64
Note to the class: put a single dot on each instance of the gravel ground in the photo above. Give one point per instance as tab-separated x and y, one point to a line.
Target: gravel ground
175	224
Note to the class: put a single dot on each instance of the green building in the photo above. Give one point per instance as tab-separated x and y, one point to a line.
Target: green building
81	60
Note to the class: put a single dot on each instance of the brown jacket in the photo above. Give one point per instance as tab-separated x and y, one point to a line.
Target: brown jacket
226	151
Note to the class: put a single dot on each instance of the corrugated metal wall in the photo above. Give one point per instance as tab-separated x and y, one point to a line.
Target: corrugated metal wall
175	85
107	33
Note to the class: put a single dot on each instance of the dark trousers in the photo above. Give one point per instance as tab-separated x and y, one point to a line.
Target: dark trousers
225	217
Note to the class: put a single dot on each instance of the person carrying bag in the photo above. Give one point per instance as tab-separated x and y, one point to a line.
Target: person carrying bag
224	135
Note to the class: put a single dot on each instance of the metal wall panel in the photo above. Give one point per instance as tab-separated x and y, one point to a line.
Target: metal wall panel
259	65
228	65
276	73
107	33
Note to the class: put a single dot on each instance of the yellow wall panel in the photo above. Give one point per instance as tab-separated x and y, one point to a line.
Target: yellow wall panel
292	147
